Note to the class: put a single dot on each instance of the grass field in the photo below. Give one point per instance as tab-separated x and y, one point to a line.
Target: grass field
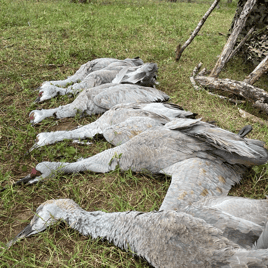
49	40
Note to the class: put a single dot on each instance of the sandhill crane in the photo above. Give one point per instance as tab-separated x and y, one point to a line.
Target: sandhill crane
137	117
99	99
215	157
90	74
203	160
166	238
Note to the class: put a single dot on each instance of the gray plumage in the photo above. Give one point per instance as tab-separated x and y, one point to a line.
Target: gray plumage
195	178
248	210
142	76
90	74
197	168
165	239
99	99
262	242
243	232
195	235
254	210
221	139
119	124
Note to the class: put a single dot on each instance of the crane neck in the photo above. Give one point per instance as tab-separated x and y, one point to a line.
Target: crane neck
116	227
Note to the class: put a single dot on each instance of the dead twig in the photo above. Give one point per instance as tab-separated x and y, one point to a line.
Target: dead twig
257	72
226	98
194	73
180	48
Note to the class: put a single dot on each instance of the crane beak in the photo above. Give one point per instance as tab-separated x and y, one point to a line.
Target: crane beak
34	173
27	231
19	182
39	97
37	100
23	180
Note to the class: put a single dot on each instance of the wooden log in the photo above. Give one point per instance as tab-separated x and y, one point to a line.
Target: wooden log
180	48
196	87
240	88
257	72
228	47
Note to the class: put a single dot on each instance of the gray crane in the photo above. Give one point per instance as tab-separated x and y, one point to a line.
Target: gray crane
197	236
193	228
120	123
99	99
216	157
90	74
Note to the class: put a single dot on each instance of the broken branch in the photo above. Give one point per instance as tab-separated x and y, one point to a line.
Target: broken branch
180	49
240	88
256	95
196	87
257	72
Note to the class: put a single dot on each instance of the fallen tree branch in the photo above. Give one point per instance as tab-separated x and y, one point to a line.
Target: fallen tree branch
239	88
196	87
257	72
240	44
252	117
180	48
228	47
256	95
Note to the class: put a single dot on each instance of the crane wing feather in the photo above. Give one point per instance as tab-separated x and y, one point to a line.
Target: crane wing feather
194	179
220	138
128	93
255	210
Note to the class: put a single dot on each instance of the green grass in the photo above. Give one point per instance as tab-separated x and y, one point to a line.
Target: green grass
49	40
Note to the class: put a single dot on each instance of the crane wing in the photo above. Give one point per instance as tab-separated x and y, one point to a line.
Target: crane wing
120	75
128	93
243	232
195	178
255	210
220	138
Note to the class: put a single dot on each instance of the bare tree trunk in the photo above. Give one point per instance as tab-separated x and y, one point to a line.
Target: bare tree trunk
180	49
228	48
257	72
